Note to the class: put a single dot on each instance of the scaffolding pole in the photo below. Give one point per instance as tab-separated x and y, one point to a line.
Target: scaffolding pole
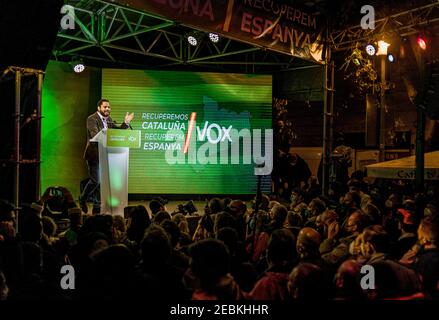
326	152
40	75
17	118
17	157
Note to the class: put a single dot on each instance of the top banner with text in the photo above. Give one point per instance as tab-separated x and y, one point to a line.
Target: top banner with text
268	23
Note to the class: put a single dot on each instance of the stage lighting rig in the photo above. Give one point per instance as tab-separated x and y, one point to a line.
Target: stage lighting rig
77	65
214	37
371	50
194	38
391	58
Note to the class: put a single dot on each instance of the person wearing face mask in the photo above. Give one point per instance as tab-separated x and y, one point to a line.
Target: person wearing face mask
99	120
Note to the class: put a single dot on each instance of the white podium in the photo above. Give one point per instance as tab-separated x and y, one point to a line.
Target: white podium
114	145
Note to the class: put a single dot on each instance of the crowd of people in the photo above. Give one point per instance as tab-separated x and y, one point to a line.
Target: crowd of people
312	247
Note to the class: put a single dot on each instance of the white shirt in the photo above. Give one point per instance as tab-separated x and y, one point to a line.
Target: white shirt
104	120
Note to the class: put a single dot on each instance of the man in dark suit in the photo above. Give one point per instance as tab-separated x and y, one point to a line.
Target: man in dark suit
96	122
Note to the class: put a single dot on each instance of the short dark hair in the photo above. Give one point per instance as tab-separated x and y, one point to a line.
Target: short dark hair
216	205
5	206
155	206
223	220
355	184
281	247
172	230
161	216
156	247
280	213
294	219
309	282
210	261
31	226
357	175
363	220
356	198
5	210
140	221
299	192
102	101
230	238
319	204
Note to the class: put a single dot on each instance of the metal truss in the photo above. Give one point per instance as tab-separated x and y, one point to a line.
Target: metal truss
403	24
114	35
104	26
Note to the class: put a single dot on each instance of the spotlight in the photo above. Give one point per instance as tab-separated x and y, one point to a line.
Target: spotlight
192	41
78	68
194	38
370	49
214	37
391	58
77	65
421	43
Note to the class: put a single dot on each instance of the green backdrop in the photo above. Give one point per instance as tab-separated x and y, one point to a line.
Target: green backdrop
162	99
240	101
68	98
